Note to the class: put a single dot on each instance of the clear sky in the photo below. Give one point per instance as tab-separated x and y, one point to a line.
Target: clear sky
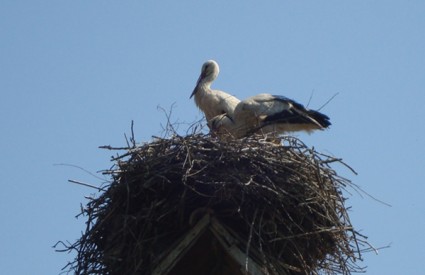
73	74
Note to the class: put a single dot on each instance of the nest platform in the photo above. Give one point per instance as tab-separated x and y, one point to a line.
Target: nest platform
282	204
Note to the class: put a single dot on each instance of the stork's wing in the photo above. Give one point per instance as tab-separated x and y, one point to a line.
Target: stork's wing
265	105
296	113
225	102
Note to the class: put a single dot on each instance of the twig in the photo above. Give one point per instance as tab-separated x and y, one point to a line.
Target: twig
326	103
87	185
81	168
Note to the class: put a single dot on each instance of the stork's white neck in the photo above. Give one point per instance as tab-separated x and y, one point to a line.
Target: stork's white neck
205	85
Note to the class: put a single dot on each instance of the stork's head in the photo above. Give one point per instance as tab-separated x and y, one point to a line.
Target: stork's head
209	73
224	127
219	123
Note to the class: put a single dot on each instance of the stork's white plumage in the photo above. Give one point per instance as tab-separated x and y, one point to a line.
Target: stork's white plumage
268	114
212	102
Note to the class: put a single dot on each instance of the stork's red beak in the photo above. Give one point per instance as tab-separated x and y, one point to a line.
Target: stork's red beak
194	91
197	84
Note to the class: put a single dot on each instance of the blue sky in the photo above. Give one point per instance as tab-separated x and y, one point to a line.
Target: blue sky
73	74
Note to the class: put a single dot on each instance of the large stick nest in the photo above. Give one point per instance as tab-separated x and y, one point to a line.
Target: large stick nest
285	199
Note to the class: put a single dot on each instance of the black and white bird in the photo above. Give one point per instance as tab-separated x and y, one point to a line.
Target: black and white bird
269	115
212	102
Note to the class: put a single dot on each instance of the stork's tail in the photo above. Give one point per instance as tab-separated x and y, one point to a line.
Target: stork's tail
298	119
321	119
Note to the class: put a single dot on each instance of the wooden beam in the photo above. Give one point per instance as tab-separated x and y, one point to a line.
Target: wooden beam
177	253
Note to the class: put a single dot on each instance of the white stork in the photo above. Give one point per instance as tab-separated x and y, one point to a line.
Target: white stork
212	102
268	114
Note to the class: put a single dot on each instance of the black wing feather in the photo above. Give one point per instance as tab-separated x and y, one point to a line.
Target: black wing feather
297	115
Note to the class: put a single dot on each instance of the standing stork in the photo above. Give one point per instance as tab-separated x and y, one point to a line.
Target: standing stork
212	102
268	114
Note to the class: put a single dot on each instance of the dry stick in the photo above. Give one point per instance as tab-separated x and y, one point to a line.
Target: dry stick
109	147
132	139
369	195
326	103
309	100
87	185
81	168
169	127
249	241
